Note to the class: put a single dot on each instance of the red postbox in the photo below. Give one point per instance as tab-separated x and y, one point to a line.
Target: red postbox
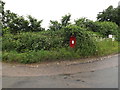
72	41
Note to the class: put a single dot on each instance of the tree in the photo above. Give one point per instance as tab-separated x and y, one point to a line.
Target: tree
1	11
16	23
54	25
65	20
118	18
110	14
105	28
1	6
84	23
34	24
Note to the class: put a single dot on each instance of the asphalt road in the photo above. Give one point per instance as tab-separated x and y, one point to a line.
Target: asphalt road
98	74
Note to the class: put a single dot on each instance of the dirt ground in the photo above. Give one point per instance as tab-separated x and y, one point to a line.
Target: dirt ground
54	68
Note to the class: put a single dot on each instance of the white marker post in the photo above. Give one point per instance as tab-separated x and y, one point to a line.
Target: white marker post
110	36
113	39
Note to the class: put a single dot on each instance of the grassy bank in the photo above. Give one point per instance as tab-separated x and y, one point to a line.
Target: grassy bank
105	47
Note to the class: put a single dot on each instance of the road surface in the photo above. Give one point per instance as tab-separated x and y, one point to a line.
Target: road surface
93	73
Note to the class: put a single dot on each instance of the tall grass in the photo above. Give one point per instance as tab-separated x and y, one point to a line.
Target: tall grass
107	46
39	56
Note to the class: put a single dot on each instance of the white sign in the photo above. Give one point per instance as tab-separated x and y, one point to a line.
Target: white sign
110	36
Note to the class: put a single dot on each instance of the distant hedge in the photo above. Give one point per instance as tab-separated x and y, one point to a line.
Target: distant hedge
104	28
24	42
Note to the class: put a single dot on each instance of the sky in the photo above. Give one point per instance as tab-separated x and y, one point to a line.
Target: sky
47	10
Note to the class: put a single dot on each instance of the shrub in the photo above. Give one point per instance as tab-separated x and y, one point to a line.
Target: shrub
24	42
84	23
85	42
118	35
30	41
8	42
105	28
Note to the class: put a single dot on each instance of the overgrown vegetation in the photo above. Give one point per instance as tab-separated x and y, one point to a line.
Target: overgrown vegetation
25	41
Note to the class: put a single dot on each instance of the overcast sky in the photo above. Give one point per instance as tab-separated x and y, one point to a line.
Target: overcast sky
47	10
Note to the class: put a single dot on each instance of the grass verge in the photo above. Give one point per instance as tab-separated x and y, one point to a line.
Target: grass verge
105	47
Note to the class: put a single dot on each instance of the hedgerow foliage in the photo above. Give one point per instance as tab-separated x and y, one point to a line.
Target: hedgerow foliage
104	28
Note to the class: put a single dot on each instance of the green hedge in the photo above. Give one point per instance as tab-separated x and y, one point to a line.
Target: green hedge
30	41
105	28
85	42
31	47
104	47
49	40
